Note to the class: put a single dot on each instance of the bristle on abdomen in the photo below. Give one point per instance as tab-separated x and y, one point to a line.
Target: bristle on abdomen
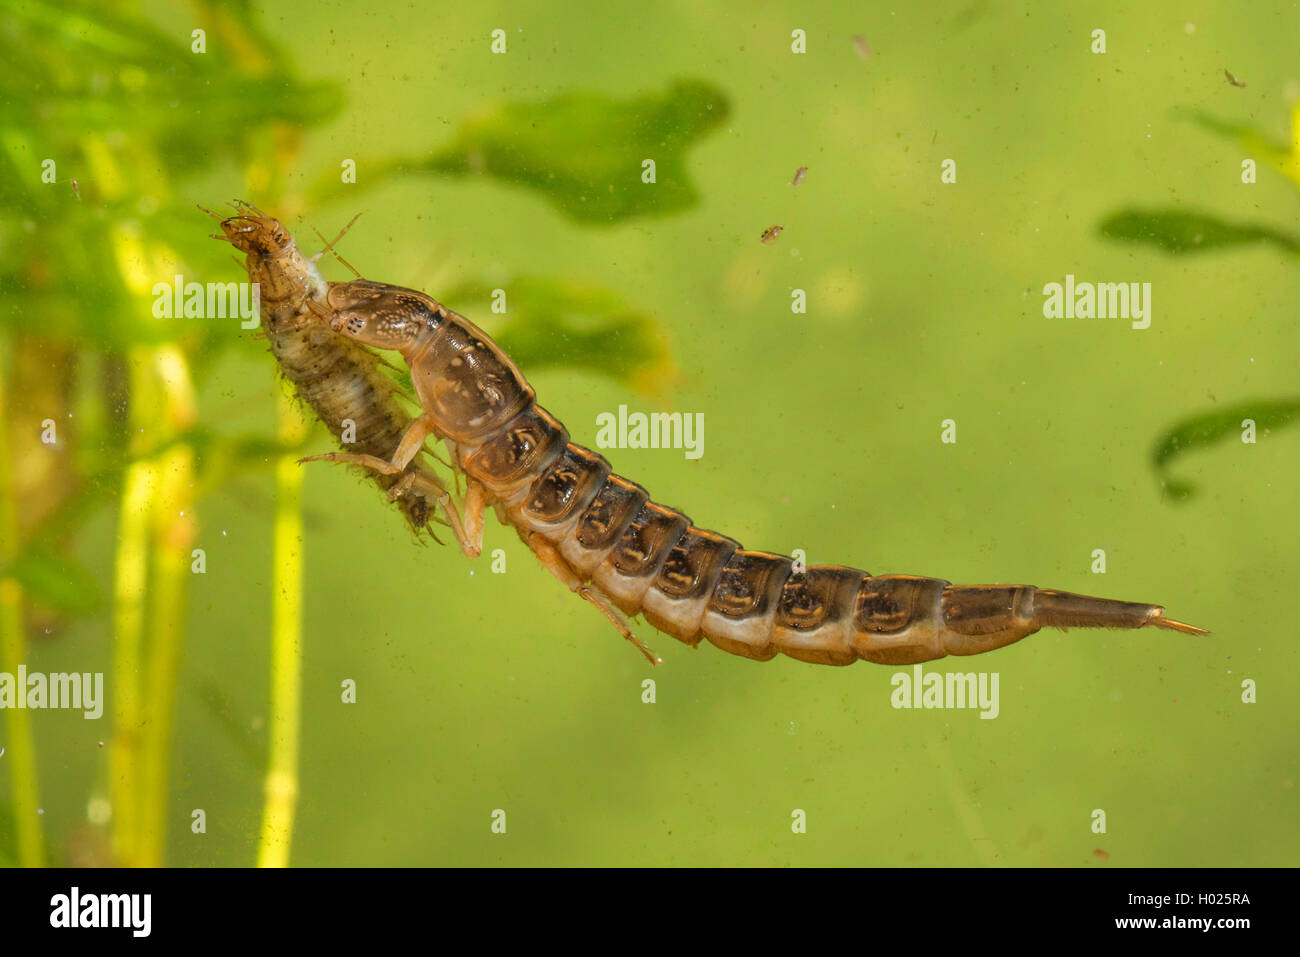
1160	621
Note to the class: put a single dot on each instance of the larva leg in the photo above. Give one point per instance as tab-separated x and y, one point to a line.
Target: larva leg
353	458
471	538
554	561
456	473
469	529
597	598
412	441
329	246
475	505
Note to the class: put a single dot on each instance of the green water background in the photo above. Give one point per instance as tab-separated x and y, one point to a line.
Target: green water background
480	691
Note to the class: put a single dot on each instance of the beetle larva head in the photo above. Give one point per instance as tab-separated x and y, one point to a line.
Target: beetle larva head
260	235
376	314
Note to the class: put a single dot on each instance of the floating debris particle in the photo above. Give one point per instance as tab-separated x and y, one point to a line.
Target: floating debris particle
770	234
1232	79
799	174
862	48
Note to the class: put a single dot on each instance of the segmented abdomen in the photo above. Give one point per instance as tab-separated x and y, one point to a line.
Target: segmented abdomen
692	583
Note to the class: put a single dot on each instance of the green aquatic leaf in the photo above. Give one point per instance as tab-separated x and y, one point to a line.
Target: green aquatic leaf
1179	232
122	101
57	580
130	113
583	151
556	323
1269	415
1247	137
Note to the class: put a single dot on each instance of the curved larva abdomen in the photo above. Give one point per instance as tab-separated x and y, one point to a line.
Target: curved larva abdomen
603	536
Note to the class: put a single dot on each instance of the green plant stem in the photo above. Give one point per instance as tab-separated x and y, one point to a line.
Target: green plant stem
172	534
21	745
131	573
281	784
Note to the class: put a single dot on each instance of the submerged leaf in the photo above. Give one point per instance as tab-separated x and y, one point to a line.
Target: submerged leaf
122	102
583	151
1179	232
1250	139
1211	427
131	114
1283	157
559	324
57	580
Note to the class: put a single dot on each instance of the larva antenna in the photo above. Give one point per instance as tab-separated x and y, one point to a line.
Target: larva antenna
329	246
244	207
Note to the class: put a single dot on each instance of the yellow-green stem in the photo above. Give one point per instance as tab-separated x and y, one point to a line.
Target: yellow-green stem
172	535
21	745
131	572
284	724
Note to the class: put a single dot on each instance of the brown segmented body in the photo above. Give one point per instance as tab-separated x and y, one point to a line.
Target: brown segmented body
600	532
337	377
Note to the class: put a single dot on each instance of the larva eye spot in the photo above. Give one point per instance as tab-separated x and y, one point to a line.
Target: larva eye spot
355	324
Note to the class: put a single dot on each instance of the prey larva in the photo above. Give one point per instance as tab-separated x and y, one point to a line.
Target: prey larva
345	384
